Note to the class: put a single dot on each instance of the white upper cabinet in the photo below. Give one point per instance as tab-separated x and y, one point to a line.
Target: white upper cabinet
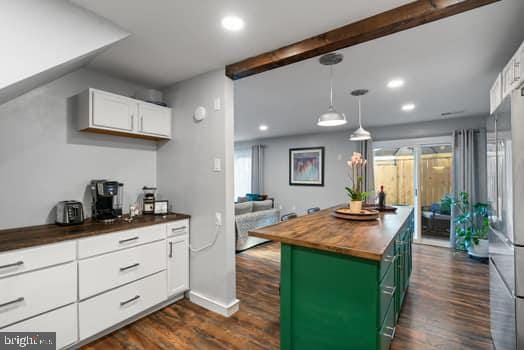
107	113
154	120
512	74
113	111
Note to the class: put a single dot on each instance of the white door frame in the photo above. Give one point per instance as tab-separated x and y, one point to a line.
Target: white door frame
417	144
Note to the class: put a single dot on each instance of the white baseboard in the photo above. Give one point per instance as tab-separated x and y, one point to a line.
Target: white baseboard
213	305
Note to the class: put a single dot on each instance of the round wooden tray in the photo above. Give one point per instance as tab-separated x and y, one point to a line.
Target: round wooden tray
363	215
387	208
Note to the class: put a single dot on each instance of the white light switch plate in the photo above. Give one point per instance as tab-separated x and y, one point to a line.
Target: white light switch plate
216	103
217	165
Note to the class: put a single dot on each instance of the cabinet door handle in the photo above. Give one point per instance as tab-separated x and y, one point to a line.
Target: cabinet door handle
18	263
128	240
390	259
183	228
17	300
136	297
129	267
388	290
132	122
141	123
170	249
392	330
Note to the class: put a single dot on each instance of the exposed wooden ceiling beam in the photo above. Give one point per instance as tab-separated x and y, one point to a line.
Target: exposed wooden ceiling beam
398	19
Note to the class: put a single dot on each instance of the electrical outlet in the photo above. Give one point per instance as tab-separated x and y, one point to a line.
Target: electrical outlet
216	103
218	216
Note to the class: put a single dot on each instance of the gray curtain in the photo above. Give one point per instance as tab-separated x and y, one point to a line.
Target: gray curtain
469	167
257	169
366	149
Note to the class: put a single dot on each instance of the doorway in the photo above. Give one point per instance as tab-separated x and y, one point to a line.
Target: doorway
418	172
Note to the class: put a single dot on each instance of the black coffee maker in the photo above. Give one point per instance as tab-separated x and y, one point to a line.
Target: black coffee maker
107	200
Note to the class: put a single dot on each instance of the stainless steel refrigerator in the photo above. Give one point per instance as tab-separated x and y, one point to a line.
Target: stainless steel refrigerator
506	196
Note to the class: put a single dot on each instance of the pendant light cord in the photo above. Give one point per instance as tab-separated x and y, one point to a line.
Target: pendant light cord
359	113
331	85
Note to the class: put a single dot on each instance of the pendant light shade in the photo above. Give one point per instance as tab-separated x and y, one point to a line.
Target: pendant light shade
360	134
331	117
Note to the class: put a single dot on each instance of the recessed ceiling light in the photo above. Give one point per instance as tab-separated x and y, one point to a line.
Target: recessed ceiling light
395	83
262	128
233	23
408	107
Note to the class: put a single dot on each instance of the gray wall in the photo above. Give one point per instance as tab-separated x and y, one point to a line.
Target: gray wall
299	198
186	178
43	159
439	127
338	150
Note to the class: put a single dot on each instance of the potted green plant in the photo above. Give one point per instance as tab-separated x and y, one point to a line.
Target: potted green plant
356	176
471	225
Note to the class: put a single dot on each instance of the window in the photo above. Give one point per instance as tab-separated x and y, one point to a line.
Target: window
242	172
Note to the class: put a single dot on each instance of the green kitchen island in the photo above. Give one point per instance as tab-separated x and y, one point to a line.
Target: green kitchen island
342	283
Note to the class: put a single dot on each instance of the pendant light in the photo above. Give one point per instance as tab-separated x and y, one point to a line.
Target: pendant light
331	117
360	134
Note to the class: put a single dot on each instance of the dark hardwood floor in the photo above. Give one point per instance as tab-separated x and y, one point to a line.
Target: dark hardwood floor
446	308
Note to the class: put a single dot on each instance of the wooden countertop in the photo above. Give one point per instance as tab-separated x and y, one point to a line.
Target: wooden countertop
320	230
30	236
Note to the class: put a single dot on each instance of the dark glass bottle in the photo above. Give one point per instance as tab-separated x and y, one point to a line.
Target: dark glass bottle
381	197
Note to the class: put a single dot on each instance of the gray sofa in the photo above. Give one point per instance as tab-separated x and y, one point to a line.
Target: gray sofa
251	215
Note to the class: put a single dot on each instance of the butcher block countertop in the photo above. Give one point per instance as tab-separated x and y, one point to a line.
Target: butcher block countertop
320	230
31	236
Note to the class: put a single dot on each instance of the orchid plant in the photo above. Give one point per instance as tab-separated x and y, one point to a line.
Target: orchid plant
356	176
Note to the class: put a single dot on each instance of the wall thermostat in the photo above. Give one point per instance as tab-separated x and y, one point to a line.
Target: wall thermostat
200	114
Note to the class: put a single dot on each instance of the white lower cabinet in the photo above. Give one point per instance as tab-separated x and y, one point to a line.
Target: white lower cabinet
83	287
177	264
29	294
101	273
63	321
108	309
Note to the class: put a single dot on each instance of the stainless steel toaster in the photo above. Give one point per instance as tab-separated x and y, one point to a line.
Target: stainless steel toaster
69	213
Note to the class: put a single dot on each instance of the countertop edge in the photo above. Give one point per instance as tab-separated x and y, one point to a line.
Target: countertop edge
357	253
28	242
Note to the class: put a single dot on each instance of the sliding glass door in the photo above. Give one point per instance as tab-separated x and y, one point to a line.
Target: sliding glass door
418	172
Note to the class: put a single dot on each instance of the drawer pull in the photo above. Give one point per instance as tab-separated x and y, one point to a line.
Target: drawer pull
390	259
389	290
128	240
170	249
136	297
18	300
392	334
129	267
18	263
183	228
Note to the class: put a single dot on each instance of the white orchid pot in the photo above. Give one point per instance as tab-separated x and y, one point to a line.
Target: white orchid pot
480	250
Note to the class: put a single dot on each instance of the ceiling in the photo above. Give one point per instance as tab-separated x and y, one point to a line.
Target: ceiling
173	40
447	65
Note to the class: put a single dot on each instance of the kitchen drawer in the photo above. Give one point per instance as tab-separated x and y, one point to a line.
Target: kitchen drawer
24	260
119	240
108	271
63	321
30	294
387	332
386	292
387	260
177	228
108	309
